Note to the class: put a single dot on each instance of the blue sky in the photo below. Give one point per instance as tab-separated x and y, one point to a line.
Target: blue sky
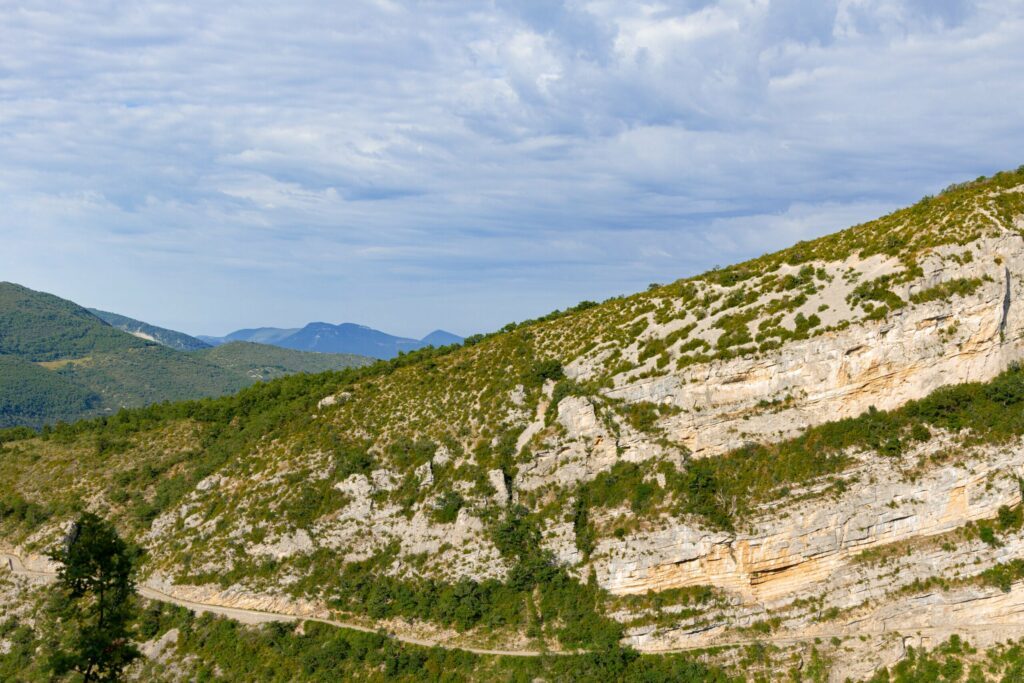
214	165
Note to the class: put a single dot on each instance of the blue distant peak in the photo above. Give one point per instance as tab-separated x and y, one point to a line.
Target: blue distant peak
325	337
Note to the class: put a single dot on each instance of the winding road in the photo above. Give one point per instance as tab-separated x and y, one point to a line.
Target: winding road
16	565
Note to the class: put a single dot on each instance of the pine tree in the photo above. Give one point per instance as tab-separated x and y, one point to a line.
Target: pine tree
95	602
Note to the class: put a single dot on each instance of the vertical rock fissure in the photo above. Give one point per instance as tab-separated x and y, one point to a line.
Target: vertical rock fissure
1006	304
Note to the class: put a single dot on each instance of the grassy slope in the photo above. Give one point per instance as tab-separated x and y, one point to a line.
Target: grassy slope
137	377
466	395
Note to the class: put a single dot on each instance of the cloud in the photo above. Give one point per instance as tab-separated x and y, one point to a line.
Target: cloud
415	165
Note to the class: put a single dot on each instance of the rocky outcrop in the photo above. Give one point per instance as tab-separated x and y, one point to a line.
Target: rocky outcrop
841	374
878	637
803	544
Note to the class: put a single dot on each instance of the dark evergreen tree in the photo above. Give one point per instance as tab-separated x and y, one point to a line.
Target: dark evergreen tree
95	602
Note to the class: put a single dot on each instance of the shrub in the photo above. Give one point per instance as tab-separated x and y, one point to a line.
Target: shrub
446	507
543	370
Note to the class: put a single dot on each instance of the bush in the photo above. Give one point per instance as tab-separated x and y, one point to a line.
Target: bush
947	290
543	370
642	415
988	535
1003	575
446	508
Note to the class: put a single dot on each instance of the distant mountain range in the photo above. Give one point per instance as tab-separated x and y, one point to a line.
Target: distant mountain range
59	361
257	335
344	338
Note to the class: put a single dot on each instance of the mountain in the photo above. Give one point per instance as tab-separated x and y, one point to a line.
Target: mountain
261	335
348	338
62	362
258	335
169	338
801	467
344	338
439	338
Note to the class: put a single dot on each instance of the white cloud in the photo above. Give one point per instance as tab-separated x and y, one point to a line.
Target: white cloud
414	165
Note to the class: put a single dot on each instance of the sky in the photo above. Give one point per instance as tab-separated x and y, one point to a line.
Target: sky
207	166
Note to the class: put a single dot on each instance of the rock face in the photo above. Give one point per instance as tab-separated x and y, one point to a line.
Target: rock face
841	374
722	405
809	551
882	364
798	546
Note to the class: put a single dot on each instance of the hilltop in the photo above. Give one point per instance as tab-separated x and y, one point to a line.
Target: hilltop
818	449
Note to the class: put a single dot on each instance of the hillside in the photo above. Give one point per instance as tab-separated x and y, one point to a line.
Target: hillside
31	394
61	362
178	341
810	460
41	327
264	362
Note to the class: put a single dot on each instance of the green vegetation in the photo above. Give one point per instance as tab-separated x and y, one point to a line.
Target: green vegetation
725	488
15	511
42	327
956	660
947	290
58	362
539	597
91	612
446	510
30	394
151	374
942	665
876	298
211	648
